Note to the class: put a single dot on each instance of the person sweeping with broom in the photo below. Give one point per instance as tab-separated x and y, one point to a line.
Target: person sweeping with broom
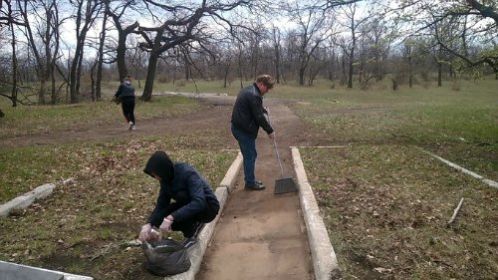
248	116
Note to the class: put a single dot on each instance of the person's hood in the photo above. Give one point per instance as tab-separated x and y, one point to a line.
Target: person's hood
161	165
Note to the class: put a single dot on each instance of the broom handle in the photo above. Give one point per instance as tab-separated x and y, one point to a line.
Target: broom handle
275	145
278	156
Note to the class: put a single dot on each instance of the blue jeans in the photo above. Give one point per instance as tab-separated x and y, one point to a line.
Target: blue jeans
247	144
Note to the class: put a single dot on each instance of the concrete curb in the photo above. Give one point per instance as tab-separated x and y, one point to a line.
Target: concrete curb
197	252
322	253
488	182
26	199
18	271
231	175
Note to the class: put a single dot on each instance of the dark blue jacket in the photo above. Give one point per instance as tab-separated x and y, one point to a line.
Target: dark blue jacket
187	188
248	113
125	90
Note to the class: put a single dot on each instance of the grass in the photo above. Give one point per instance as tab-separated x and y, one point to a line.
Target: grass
458	125
386	209
28	120
83	226
385	202
23	169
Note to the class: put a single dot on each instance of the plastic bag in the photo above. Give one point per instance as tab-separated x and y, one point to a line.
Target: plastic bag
165	257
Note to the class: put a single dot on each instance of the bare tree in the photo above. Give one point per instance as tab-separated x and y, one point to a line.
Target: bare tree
478	22
116	10
276	41
309	35
86	13
9	18
350	47
184	25
100	59
46	14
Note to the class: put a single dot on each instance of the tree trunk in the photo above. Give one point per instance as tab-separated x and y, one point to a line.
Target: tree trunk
350	72
187	67
14	68
277	65
98	82
439	74
73	89
343	69
240	68
121	56
225	78
54	94
301	76
41	90
439	67
93	83
151	73
351	54
410	72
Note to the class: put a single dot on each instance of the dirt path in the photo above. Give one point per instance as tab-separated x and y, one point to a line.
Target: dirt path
260	235
208	117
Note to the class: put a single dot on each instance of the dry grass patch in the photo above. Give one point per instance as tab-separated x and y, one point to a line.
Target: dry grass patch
83	226
386	208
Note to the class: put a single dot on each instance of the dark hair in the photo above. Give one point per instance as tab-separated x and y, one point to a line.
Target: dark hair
266	80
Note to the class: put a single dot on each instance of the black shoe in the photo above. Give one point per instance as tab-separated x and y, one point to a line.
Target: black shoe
189	242
255	187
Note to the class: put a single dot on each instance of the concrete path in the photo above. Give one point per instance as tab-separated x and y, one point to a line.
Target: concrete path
260	235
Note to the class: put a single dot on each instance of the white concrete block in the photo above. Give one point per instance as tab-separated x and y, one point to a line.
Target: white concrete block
13	271
43	191
229	179
322	253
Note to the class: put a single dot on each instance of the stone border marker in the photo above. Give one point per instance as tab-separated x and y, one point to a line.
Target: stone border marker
322	253
25	200
13	271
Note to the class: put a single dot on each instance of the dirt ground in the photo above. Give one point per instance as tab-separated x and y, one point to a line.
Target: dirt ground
260	235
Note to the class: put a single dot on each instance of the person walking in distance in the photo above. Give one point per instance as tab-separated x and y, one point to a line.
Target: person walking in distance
126	95
248	116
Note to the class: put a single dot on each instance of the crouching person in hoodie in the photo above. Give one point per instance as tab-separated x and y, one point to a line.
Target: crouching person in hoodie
194	201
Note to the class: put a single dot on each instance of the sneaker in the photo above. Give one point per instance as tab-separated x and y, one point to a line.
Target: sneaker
131	125
189	242
256	187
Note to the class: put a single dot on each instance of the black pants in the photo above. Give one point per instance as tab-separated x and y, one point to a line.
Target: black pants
128	105
189	227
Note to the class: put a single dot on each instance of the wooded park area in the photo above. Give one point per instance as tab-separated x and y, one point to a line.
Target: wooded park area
63	51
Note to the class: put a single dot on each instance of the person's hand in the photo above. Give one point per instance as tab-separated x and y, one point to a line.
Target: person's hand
154	235
145	233
166	224
272	135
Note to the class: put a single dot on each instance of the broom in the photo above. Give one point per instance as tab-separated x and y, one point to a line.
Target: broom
284	184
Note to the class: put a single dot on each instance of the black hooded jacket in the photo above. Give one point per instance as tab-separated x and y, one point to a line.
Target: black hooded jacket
125	91
181	182
248	113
